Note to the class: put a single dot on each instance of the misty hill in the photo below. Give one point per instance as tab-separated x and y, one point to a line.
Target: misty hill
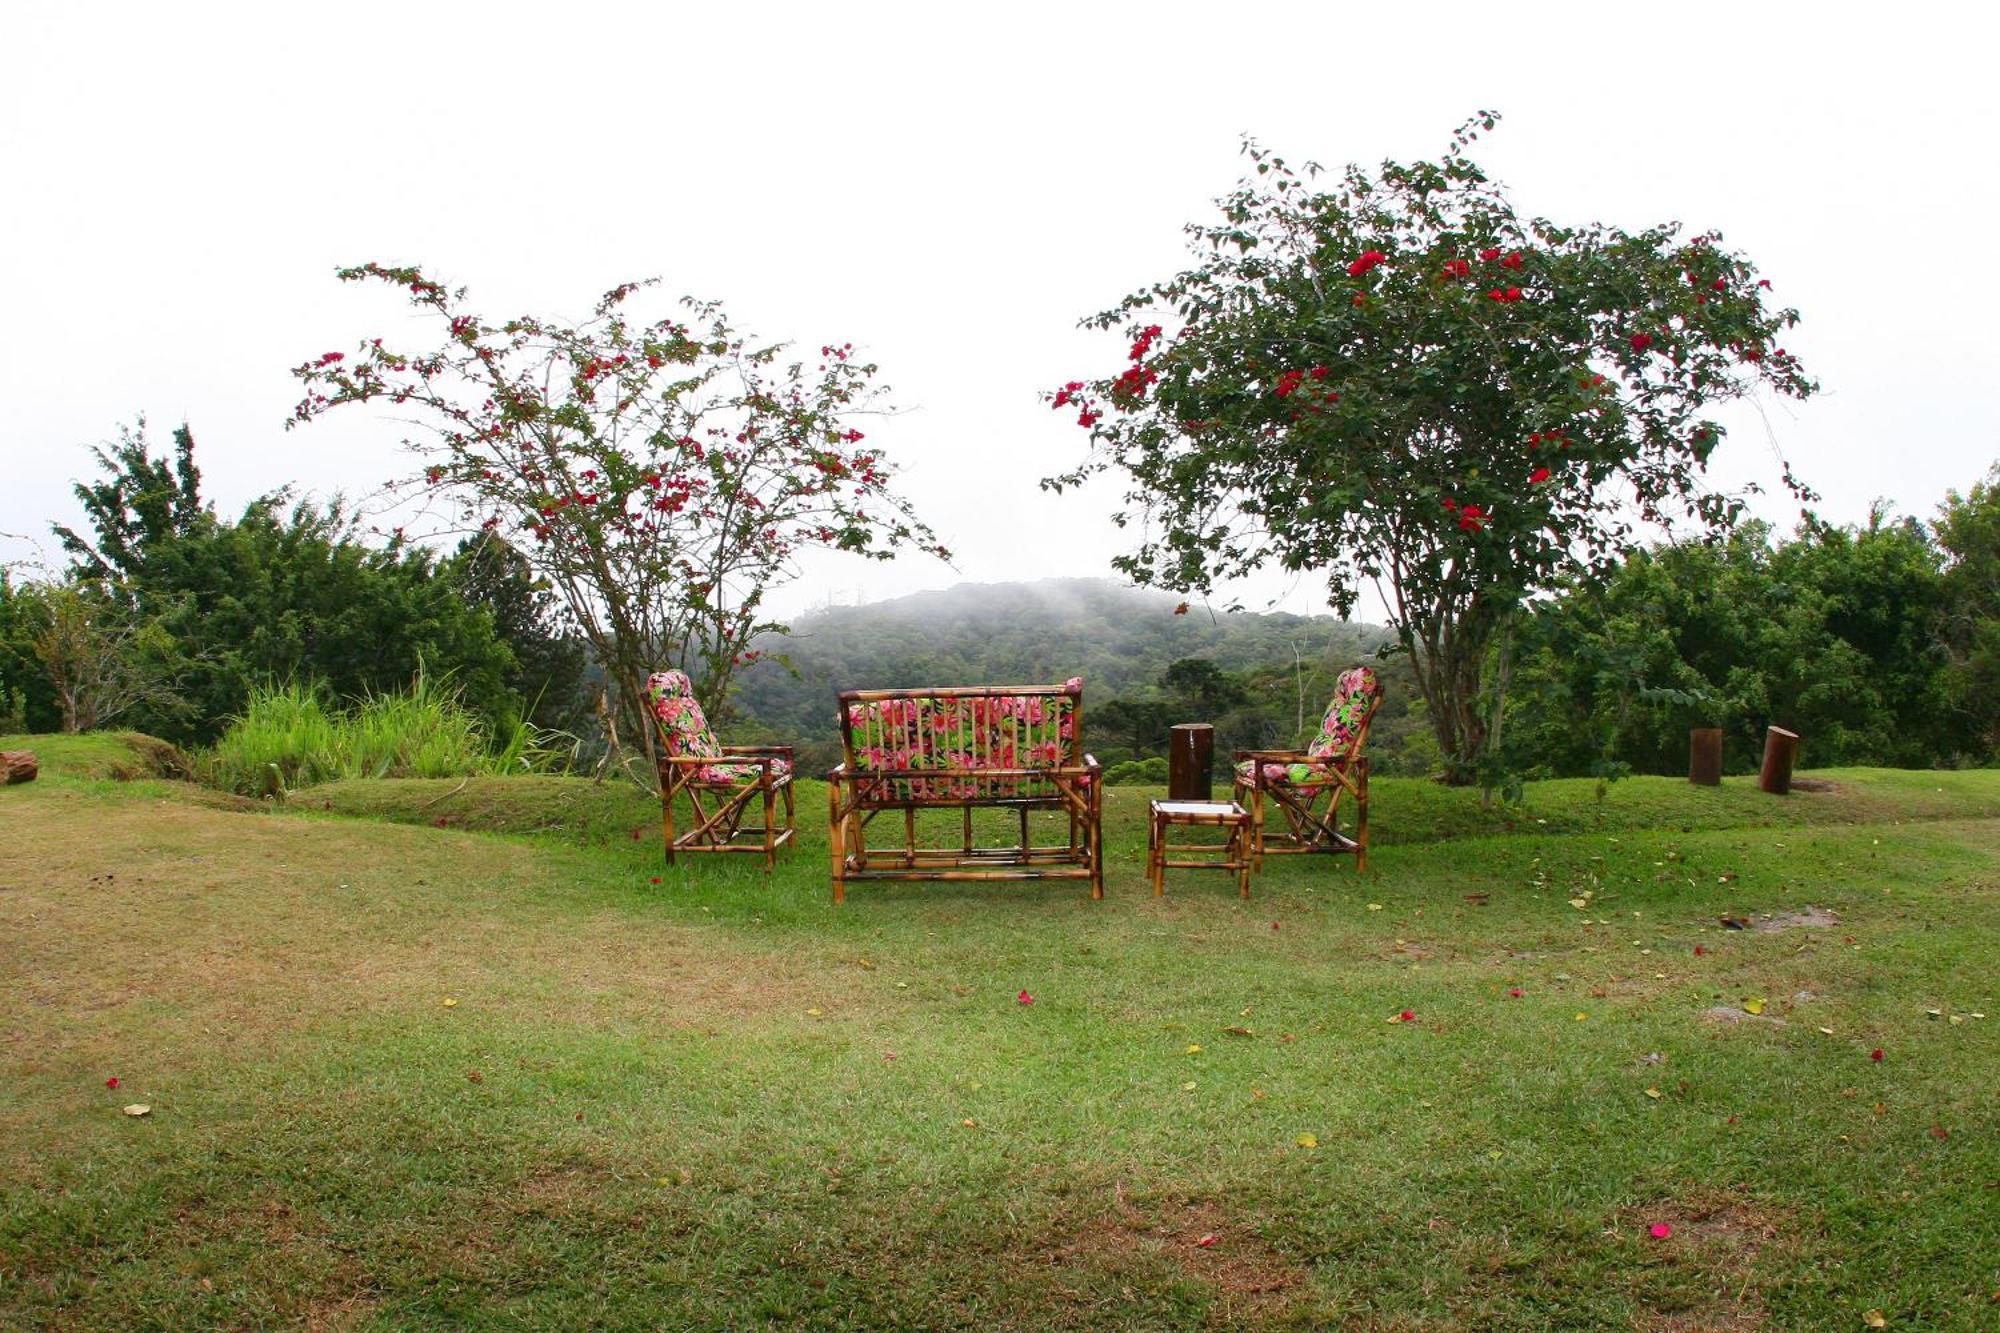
1119	639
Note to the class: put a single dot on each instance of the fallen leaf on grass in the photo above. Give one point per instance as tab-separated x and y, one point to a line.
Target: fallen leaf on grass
1206	1241
1753	1004
1875	1319
812	1013
1374	907
889	1055
1194	1048
1024	998
969	1123
449	1002
1938	1132
474	1076
1239	1031
1308	1141
1654	1093
1188	1086
138	1108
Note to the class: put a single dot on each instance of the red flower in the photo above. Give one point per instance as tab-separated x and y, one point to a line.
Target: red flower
1088	417
1407	1016
1024	998
1641	341
1513	294
1317	372
1457	268
1489	255
1360	299
1765	283
1512	261
1514	994
1538	476
1496	295
1289	382
1875	1055
1367	261
1471	518
112	1082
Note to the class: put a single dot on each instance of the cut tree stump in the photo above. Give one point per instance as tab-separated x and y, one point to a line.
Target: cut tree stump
1705	756
1191	762
18	766
1781	749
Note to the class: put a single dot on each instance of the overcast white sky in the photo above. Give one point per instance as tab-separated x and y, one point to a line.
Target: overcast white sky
949	187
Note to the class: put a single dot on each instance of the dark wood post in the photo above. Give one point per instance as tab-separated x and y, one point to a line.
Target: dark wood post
1705	756
1781	748
1190	759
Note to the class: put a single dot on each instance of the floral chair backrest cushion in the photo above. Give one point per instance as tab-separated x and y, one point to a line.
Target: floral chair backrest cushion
670	694
1354	700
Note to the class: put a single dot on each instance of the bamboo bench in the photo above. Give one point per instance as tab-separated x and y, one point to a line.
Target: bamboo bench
966	748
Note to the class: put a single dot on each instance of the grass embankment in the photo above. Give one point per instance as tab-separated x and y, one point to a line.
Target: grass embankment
720	1101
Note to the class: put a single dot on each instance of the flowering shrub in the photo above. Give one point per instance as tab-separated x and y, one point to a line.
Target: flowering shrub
661	476
1393	376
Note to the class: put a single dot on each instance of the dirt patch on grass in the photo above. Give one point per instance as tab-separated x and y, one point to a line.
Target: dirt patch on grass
1251	1281
1717	1238
1810	918
1728	1015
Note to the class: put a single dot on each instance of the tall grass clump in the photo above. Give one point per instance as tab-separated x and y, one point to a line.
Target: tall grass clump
287	737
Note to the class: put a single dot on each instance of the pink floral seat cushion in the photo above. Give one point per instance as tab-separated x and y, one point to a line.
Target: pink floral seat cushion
686	733
976	731
1354	700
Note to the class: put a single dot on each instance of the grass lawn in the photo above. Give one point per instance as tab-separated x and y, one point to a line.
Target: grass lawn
408	1071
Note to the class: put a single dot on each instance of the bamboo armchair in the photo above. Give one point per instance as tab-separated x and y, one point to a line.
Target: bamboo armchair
1306	786
719	781
966	748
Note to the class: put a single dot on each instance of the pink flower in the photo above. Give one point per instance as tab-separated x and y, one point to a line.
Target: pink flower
1661	1231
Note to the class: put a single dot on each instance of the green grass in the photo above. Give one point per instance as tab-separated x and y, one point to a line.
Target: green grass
686	1113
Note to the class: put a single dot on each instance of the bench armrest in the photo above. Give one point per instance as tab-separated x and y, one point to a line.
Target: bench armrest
1276	756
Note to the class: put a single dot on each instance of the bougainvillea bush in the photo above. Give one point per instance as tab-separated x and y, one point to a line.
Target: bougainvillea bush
1393	376
661	475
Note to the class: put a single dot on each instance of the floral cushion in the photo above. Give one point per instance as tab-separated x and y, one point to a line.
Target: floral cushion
977	731
1354	698
686	734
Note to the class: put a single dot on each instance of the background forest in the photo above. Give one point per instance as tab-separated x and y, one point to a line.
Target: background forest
1880	643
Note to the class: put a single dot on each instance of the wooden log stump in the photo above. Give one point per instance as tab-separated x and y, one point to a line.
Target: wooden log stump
1781	750
18	766
1191	762
1705	756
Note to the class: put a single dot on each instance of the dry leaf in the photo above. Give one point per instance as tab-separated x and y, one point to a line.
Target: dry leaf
449	1002
1239	1032
812	1013
1374	907
1753	1004
1194	1048
1308	1141
1207	1240
138	1108
1654	1093
1188	1086
1875	1319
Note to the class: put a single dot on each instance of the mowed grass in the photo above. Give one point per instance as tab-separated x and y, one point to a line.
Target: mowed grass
717	1101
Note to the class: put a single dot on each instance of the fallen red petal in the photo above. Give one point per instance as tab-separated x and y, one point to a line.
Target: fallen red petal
1661	1231
1207	1240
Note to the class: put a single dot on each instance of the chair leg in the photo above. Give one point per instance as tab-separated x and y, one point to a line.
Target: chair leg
1361	816
836	837
770	827
667	813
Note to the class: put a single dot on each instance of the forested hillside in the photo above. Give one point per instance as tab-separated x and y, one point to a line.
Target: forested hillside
1271	673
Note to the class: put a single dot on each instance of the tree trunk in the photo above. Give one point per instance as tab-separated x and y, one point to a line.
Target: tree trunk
17	766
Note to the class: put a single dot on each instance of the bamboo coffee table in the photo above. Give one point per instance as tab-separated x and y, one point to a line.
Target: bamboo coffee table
1232	854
